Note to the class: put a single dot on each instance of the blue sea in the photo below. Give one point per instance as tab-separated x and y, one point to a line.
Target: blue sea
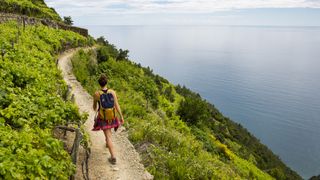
265	78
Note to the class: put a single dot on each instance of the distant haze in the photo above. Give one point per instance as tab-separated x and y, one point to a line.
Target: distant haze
190	12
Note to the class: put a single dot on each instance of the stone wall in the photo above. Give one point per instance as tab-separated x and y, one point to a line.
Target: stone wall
26	20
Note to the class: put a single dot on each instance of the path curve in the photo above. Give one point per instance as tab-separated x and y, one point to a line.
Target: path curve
128	165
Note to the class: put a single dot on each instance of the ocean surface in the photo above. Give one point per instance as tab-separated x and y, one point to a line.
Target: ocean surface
266	78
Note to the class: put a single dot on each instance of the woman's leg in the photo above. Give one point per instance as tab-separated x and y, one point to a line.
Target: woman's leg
107	134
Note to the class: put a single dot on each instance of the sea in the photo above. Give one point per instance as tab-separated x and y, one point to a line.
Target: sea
266	78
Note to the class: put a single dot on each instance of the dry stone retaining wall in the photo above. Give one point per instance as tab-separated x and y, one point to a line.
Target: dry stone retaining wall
26	20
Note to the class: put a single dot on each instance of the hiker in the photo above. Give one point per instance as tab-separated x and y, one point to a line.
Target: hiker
105	103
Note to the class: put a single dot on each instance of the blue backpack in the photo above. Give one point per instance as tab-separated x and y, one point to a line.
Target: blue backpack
106	106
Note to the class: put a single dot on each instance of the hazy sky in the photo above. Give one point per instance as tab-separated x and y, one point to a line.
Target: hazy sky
190	12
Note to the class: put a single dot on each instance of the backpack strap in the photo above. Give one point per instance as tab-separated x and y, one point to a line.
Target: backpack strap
100	105
100	93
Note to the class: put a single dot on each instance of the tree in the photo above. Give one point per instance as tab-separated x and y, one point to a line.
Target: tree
123	55
102	54
102	41
113	51
67	20
193	110
315	178
169	94
38	2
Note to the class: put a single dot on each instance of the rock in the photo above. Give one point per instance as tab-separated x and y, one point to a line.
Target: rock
147	176
115	169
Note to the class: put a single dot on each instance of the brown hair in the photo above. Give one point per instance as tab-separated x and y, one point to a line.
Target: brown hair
103	80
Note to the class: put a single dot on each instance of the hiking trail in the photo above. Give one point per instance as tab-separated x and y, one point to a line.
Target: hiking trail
128	165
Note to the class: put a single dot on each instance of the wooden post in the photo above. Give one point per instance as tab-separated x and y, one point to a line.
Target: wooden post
85	165
24	23
75	148
12	44
3	52
76	145
57	62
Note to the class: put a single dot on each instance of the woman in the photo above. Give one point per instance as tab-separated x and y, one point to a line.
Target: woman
101	122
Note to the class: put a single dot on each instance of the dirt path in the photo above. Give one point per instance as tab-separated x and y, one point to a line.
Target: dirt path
128	160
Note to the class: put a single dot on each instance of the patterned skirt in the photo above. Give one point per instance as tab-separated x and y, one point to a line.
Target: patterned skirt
100	124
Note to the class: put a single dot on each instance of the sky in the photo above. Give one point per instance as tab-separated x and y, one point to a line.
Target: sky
190	12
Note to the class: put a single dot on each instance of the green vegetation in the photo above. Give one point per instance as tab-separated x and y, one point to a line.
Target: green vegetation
315	177
237	138
34	8
110	51
68	20
180	135
32	93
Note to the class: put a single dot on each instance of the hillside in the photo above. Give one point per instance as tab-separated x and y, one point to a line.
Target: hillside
33	8
179	135
33	95
32	100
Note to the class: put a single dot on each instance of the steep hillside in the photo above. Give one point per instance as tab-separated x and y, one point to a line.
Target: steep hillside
34	8
32	94
179	135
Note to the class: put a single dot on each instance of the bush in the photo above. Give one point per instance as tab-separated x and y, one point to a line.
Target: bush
68	20
29	8
102	54
193	110
32	153
123	55
31	100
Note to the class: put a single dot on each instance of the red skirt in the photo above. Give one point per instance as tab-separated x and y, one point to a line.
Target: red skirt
101	124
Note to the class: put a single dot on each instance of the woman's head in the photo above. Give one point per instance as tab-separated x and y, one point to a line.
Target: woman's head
103	80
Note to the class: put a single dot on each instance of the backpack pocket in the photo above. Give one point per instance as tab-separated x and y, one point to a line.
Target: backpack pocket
107	114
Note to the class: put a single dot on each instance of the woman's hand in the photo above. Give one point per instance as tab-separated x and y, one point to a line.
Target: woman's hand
121	121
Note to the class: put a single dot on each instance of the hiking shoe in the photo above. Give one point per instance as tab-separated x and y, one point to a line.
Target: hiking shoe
112	160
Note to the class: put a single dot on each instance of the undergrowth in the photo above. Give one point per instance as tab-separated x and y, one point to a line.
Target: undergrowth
32	101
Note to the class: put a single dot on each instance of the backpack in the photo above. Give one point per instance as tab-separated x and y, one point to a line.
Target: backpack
106	106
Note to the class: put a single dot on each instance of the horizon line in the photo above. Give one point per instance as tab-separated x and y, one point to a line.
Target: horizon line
283	26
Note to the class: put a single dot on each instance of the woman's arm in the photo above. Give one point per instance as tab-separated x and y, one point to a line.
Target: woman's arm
117	106
95	102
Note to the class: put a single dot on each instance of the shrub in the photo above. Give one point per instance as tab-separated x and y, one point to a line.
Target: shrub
31	100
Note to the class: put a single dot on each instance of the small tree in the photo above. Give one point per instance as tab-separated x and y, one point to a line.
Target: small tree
168	93
101	40
67	20
123	55
193	110
102	54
